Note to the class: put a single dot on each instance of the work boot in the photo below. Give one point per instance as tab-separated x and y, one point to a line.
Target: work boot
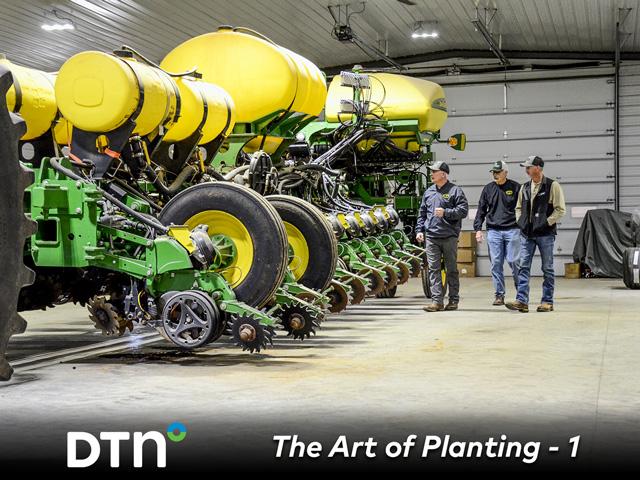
498	301
451	306
519	306
433	307
545	307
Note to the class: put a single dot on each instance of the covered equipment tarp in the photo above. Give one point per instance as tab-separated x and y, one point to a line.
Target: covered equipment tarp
604	236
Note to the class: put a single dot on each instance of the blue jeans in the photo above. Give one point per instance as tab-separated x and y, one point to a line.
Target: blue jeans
527	249
503	244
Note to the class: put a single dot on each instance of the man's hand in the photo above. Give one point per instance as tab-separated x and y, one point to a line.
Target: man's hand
439	212
420	237
479	236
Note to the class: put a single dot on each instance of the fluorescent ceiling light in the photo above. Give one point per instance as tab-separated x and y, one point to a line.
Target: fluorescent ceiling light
424	35
91	6
54	21
424	29
50	27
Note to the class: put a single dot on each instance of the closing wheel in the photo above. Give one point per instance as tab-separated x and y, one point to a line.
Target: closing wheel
240	216
312	242
14	226
298	321
106	318
248	333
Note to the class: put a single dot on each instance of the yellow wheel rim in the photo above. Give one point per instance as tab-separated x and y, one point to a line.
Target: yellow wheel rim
298	244
222	223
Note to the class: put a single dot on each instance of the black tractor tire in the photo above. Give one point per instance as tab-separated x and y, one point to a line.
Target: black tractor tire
318	235
267	232
14	225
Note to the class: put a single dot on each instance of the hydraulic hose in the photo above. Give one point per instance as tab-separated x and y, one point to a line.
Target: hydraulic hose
236	171
186	173
315	166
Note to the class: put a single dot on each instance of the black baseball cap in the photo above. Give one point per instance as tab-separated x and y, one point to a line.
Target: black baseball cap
439	167
498	166
533	161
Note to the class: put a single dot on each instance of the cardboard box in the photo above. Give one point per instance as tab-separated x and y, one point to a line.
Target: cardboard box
466	255
571	270
467	239
467	269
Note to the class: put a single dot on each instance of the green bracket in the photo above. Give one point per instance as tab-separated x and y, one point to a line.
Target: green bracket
290	285
285	297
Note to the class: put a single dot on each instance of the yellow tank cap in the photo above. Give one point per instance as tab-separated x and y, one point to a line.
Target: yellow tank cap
32	96
261	77
98	92
400	98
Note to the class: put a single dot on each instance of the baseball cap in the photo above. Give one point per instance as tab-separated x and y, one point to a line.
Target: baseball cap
533	161
439	166
498	166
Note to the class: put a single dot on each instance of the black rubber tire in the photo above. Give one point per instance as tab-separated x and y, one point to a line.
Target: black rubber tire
267	232
318	233
14	225
631	267
426	285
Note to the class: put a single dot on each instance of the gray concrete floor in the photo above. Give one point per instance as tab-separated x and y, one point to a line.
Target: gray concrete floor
384	363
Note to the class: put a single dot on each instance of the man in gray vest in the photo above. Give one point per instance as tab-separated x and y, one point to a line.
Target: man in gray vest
443	207
540	206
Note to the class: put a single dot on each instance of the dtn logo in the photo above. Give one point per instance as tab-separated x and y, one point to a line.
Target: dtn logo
176	432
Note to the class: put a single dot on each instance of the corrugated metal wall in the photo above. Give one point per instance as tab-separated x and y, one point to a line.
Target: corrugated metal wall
630	136
568	122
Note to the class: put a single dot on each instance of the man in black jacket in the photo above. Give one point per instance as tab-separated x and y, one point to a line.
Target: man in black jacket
443	207
498	205
540	206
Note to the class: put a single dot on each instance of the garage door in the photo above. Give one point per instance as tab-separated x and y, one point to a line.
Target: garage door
630	136
568	122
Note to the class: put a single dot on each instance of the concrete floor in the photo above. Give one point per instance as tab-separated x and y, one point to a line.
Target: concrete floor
382	367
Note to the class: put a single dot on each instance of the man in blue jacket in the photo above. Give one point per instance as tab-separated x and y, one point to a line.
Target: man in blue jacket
443	207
